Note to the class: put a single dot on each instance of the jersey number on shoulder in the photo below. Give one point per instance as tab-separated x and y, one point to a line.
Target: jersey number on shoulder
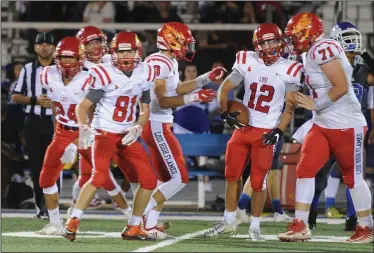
156	69
60	111
322	52
122	104
267	97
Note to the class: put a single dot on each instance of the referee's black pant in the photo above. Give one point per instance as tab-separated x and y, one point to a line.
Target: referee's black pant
38	135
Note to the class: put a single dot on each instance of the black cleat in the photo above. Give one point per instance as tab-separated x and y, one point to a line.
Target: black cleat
312	219
350	223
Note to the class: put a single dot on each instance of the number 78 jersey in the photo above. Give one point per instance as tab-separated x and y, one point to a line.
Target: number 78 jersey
266	86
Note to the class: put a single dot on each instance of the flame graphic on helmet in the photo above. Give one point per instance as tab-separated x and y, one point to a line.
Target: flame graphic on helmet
302	25
174	37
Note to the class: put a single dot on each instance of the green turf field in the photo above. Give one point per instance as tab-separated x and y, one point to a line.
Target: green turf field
93	232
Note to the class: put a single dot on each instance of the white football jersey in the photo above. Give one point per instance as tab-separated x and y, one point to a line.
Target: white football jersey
165	68
266	86
116	110
346	111
65	97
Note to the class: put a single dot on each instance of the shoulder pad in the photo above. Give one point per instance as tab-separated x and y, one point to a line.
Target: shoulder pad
101	74
162	66
325	50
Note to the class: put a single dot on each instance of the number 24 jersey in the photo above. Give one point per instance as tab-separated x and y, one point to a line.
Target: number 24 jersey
266	86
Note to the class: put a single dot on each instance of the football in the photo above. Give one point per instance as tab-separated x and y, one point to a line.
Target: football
235	106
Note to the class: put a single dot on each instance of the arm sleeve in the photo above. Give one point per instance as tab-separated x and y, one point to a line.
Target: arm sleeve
369	61
21	86
326	51
371	97
236	77
146	97
94	95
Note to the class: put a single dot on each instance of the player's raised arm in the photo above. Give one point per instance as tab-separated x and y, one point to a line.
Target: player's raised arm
205	95
214	75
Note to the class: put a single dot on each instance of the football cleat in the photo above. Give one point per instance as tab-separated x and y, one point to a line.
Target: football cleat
222	227
297	231
350	223
362	235
71	228
255	235
333	213
135	233
158	234
281	217
51	229
242	216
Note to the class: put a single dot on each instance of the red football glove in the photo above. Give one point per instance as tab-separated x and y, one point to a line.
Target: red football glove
216	73
206	95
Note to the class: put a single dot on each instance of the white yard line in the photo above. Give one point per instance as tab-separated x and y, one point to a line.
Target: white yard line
171	242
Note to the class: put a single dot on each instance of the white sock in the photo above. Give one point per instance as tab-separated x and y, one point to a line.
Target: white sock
135	220
54	216
229	217
302	216
332	187
366	221
152	218
77	213
255	222
76	190
125	211
151	204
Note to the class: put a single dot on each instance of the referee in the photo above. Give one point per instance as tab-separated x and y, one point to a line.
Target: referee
39	124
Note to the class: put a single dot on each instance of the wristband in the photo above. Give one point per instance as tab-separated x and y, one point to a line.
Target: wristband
322	102
189	98
33	100
202	80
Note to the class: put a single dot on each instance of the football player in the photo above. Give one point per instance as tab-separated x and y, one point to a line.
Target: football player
66	83
175	42
268	79
339	127
115	88
350	39
95	42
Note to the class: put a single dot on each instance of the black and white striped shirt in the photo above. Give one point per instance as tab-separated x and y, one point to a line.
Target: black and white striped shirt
28	84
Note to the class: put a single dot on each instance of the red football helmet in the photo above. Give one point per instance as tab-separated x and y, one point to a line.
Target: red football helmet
70	47
303	30
89	33
268	42
126	41
177	38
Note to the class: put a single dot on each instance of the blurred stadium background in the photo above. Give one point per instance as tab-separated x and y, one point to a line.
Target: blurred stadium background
221	29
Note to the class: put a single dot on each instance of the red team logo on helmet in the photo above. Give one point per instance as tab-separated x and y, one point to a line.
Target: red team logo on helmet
89	33
126	41
177	38
70	47
303	30
268	42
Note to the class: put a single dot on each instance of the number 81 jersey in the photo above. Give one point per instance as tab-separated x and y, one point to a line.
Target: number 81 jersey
116	109
266	86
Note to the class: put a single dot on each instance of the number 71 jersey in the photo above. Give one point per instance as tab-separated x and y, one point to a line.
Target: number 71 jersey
266	86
